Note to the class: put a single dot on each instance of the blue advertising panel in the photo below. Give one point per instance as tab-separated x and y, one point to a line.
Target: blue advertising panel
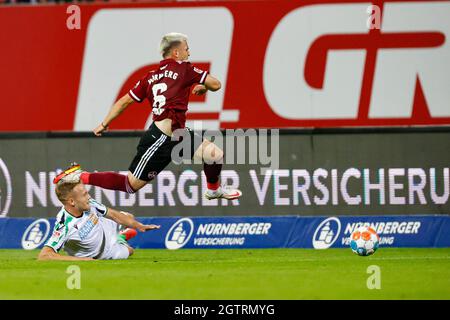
253	232
394	231
217	232
443	238
26	233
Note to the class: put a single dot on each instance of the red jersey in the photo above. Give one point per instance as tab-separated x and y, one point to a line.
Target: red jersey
168	89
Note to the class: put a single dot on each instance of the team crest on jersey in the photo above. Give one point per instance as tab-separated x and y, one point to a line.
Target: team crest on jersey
198	70
152	174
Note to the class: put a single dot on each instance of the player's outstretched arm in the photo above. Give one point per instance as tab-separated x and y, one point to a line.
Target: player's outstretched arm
47	254
127	219
115	111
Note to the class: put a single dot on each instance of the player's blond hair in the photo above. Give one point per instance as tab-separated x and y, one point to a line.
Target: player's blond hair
63	189
170	41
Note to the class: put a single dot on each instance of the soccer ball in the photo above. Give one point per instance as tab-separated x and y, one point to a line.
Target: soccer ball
364	241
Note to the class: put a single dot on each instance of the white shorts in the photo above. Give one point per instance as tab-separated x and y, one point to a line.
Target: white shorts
118	251
115	249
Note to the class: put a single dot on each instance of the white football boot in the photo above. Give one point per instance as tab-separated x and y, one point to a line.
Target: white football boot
71	174
224	193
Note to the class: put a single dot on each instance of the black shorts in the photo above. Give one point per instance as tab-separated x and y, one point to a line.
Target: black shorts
154	152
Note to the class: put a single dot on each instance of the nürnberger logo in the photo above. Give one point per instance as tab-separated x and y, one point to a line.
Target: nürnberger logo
36	234
179	234
326	233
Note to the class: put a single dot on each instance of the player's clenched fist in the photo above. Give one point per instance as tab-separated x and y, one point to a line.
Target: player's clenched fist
199	90
100	129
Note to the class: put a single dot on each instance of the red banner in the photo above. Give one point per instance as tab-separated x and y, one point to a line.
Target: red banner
281	63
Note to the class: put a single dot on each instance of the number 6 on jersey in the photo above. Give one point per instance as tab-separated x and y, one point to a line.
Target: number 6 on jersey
158	99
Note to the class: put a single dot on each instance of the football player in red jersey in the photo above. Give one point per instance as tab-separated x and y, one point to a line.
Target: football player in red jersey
167	88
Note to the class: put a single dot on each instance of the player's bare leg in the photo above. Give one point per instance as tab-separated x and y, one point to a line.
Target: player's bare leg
212	157
135	183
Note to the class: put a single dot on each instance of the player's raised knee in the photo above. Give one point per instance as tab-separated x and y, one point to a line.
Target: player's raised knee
212	153
217	154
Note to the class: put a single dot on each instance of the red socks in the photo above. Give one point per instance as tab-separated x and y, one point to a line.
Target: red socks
115	181
107	180
84	177
212	172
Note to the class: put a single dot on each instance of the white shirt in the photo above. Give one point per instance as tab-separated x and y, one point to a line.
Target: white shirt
91	235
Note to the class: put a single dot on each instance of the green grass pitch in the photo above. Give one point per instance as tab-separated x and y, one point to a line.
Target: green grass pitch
233	274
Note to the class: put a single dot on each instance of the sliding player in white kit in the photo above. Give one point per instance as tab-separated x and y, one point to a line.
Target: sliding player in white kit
88	230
